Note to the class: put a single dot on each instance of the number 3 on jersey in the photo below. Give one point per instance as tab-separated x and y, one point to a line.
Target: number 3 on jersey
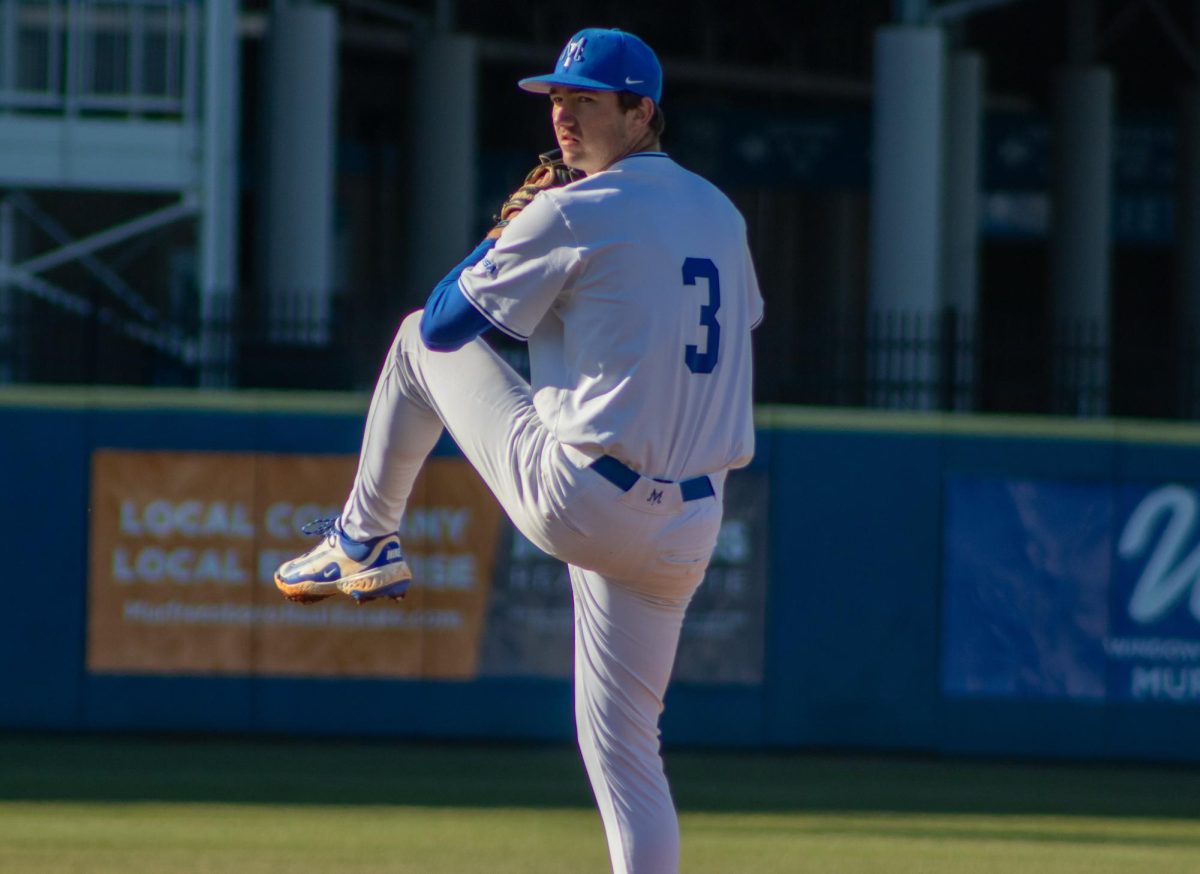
706	361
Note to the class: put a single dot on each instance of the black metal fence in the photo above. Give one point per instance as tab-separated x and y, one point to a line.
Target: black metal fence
332	342
897	360
949	361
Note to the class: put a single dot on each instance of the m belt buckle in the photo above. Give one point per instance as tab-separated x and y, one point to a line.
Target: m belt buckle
650	494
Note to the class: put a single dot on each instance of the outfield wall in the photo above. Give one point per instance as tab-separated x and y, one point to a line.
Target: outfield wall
992	585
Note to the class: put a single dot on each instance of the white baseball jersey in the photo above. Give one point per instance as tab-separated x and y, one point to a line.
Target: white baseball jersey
636	292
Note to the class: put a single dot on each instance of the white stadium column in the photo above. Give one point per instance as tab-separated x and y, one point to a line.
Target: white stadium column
1081	211
1081	217
298	170
960	224
906	208
218	238
444	157
1187	249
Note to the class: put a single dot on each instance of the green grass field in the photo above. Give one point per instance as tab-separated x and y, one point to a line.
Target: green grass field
136	806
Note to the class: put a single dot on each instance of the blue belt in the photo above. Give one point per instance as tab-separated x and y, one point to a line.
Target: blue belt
624	477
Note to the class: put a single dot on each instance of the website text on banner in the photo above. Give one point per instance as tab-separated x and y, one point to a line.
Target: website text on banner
183	546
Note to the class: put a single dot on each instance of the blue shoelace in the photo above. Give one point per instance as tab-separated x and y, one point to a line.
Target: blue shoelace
320	527
356	549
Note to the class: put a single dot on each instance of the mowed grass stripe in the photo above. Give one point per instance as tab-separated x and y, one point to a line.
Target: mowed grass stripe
865	843
134	806
400	772
131	838
140	838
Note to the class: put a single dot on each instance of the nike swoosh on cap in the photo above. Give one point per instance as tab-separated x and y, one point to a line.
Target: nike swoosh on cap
629	81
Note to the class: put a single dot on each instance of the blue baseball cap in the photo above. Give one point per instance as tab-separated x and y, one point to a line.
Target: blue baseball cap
603	60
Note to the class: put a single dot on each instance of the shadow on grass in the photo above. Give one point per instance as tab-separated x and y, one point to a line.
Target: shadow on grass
340	772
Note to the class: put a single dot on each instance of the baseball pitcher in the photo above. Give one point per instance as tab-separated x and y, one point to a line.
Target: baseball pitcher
631	280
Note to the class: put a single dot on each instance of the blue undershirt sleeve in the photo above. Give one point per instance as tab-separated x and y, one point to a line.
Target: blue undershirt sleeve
450	321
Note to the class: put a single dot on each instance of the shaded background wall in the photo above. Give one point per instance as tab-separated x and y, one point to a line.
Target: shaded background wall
972	206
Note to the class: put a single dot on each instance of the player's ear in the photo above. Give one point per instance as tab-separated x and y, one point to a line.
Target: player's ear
644	111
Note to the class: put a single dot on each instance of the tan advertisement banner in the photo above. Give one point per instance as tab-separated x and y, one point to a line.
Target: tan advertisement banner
183	548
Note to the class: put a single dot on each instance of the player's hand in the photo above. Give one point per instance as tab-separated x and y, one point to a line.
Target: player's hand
550	172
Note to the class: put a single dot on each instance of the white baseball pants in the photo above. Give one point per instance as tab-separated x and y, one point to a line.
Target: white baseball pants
633	565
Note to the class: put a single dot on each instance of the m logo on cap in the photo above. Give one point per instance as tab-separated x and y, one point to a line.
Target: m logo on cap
599	59
573	52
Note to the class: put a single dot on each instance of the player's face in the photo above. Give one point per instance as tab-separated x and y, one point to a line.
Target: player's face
592	129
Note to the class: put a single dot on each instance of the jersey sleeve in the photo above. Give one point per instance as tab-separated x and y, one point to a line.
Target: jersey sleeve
449	320
518	282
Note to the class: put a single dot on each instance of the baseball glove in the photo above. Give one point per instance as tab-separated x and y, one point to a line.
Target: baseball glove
550	172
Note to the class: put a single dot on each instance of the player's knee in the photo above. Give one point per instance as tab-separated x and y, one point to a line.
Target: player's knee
410	331
411	326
